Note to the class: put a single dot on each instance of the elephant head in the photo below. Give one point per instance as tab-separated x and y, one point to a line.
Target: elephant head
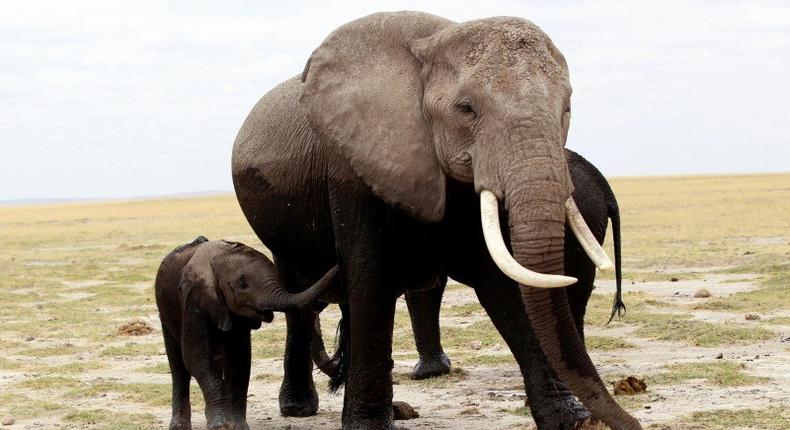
227	278
410	98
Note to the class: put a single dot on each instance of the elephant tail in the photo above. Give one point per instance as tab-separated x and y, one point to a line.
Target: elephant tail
342	349
613	210
336	367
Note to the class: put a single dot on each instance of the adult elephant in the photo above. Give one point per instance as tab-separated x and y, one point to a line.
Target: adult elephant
405	118
597	205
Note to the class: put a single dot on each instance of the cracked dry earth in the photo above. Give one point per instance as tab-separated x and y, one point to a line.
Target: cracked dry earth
484	393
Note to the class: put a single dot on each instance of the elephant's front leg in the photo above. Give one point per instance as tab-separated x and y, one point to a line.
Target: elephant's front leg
359	220
424	313
552	405
201	354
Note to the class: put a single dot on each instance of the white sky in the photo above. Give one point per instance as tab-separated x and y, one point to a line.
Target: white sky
117	99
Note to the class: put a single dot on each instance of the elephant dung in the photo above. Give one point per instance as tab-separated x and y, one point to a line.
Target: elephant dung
403	411
136	327
629	386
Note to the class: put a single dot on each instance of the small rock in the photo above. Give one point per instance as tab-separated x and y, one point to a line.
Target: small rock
748	253
29	338
702	293
403	411
629	386
7	420
476	345
162	351
673	279
720	356
497	347
751	317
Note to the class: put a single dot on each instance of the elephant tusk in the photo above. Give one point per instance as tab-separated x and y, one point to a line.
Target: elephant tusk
585	237
489	216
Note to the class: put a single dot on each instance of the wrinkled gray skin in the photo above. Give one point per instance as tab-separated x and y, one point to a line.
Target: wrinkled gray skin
210	294
406	116
597	204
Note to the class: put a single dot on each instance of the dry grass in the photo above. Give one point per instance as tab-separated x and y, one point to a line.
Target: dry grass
73	273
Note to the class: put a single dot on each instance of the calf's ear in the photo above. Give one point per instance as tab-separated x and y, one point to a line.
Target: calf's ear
199	293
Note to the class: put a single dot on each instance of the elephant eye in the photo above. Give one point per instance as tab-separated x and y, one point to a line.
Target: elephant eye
568	109
242	285
465	107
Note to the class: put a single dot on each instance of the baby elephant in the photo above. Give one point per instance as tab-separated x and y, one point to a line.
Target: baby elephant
210	295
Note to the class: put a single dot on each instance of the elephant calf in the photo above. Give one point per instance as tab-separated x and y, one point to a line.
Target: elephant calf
210	294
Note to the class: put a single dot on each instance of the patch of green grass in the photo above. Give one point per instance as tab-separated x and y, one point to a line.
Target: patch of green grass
778	321
443	381
50	351
721	373
7	364
74	367
606	343
101	419
633	403
683	328
773	418
23	407
463	337
49	383
485	359
150	394
522	411
269	341
132	349
158	368
773	294
268	378
464	310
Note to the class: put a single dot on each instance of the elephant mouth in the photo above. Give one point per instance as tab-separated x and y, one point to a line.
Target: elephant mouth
266	316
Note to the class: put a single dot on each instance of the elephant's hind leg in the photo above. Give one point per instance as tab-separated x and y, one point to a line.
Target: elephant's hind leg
424	313
182	413
298	396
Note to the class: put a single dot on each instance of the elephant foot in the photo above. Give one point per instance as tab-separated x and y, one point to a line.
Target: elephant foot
369	424
180	423
431	366
298	401
562	413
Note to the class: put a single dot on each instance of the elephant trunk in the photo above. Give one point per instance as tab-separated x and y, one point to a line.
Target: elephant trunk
535	197
282	301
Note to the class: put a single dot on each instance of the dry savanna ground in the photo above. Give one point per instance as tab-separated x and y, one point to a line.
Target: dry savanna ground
74	273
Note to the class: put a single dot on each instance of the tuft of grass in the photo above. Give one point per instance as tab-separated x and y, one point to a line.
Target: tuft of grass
101	419
132	349
23	407
772	418
772	296
721	373
50	351
683	328
158	368
606	343
49	383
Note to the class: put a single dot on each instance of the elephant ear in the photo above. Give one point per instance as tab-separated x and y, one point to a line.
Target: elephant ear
362	93
199	292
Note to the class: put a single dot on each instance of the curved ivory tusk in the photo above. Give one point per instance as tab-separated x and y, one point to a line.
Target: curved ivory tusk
585	237
489	216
